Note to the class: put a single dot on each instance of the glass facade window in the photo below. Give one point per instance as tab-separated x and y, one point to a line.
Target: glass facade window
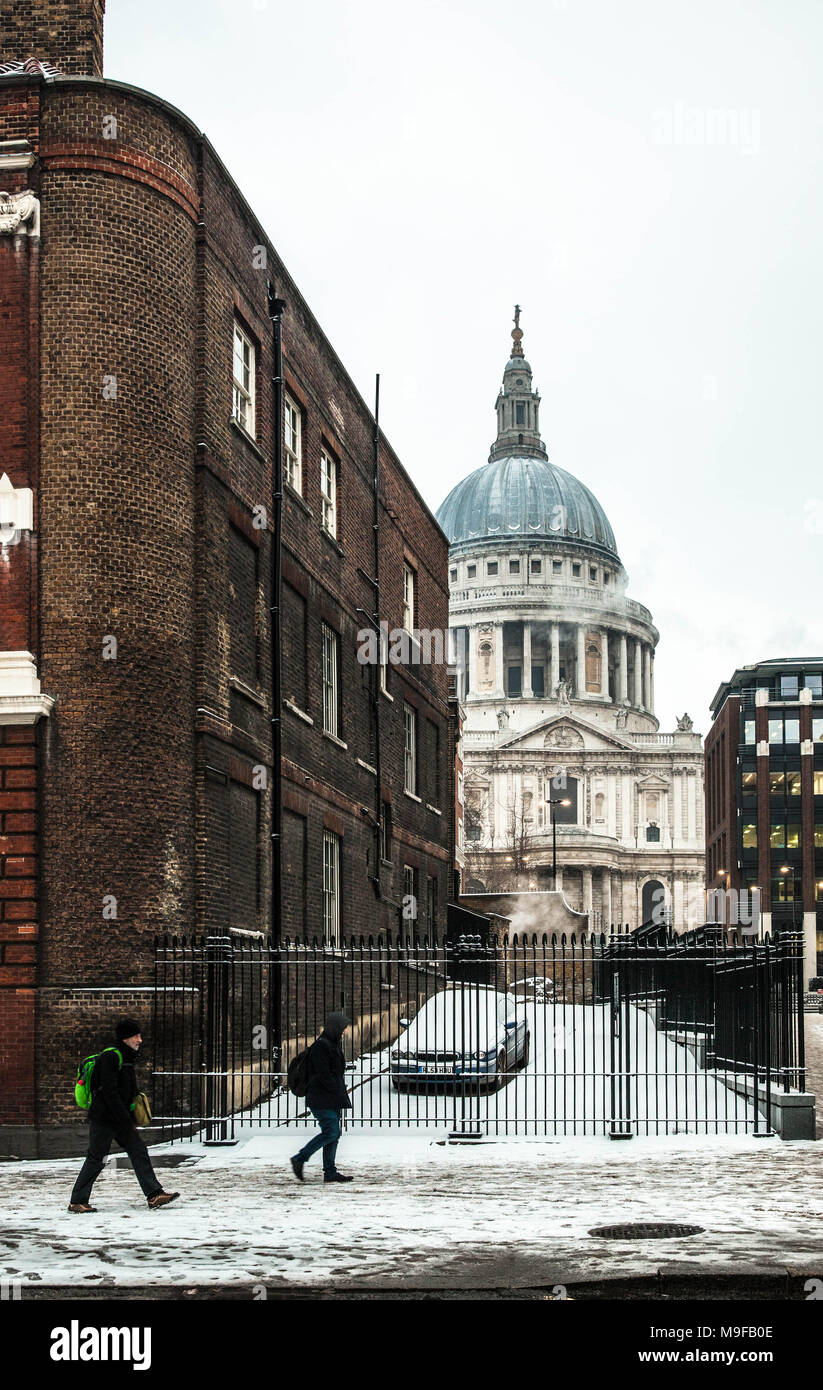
749	783
783	889
815	685
792	731
777	835
793	838
817	730
748	731
749	835
793	784
818	835
817	783
789	687
777	783
775	731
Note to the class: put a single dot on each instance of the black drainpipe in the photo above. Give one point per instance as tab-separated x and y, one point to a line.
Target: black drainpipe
374	618
276	307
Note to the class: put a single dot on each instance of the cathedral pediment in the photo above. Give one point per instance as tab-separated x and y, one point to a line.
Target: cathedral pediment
564	732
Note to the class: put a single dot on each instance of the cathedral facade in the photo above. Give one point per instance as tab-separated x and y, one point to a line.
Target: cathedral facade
568	780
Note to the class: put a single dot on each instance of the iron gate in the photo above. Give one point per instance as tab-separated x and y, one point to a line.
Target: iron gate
622	1034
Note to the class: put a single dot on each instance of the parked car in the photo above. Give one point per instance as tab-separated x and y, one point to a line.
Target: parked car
469	1034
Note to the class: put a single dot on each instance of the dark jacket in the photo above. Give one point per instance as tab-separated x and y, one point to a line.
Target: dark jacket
113	1088
327	1066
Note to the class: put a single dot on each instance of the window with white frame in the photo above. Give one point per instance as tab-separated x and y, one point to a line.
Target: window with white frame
243	380
330	682
328	492
408	598
410	749
331	887
293	459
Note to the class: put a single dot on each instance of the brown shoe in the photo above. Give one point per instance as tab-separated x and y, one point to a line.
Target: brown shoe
80	1206
161	1199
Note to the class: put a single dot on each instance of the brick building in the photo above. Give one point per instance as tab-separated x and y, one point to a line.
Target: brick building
136	455
764	795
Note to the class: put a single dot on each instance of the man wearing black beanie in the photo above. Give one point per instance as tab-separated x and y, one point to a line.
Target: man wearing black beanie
113	1089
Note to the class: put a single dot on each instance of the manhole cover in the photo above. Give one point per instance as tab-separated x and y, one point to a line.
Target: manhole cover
645	1230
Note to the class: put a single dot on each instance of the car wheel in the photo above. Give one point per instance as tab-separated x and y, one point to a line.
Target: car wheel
500	1079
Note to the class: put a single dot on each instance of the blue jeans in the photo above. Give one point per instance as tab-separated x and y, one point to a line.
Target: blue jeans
327	1139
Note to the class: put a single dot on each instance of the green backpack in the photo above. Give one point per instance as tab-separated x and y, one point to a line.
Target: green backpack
82	1082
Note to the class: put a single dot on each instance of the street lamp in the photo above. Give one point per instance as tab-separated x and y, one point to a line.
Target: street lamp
555	801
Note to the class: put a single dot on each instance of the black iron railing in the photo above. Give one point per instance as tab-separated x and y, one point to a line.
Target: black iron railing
621	1034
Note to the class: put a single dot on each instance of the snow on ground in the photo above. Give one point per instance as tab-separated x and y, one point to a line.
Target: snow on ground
420	1213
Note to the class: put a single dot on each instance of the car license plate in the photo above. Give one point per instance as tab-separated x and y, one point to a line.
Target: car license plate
430	1069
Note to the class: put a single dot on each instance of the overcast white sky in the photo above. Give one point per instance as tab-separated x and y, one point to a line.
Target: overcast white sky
642	176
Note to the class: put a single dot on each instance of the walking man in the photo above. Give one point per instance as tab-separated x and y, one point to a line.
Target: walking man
327	1098
113	1089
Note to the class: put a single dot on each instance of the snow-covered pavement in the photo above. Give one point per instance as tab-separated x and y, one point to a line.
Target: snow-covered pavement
420	1213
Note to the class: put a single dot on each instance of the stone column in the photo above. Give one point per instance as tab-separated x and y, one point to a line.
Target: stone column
623	670
499	688
647	678
606	924
554	674
604	663
638	674
588	897
527	660
559	883
580	682
471	660
651	679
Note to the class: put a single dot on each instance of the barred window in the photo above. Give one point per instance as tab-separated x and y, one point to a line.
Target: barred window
244	364
293	460
331	643
331	887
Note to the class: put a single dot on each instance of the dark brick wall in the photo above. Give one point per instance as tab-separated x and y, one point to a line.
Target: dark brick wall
18	922
154	516
66	33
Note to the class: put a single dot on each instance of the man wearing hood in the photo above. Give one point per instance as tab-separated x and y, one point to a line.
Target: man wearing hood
113	1089
327	1098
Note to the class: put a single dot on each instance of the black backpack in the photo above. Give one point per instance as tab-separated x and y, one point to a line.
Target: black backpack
297	1076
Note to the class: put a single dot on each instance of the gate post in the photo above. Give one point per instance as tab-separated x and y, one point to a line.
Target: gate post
216	1054
465	961
620	1086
